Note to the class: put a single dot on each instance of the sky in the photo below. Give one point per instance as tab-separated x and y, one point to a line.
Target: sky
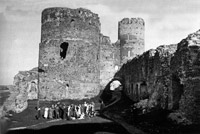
166	22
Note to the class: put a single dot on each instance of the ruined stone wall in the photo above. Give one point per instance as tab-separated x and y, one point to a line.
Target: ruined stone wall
24	88
69	52
109	60
185	65
131	36
168	77
145	74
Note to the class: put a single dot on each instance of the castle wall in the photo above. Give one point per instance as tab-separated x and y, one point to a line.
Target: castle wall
131	36
69	54
72	51
109	60
186	66
168	77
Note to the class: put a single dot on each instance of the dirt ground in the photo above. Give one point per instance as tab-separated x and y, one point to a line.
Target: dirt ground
26	122
95	125
119	122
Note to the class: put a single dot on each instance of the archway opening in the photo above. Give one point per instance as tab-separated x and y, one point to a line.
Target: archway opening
63	50
143	90
177	91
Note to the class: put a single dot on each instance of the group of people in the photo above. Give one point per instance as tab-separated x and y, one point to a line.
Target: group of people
68	112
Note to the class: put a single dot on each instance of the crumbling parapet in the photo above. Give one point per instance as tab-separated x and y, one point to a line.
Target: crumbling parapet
65	23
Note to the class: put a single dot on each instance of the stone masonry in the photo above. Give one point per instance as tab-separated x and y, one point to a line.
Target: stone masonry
74	52
109	60
167	77
131	36
69	54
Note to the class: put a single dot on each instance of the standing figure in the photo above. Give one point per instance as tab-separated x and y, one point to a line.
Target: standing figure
57	111
79	111
46	112
85	108
53	111
60	110
42	111
50	112
38	113
93	109
69	112
65	109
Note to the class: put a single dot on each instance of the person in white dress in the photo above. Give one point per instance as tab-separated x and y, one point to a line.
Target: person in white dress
46	111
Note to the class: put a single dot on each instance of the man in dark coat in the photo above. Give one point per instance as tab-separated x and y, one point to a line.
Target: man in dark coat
38	113
61	112
65	111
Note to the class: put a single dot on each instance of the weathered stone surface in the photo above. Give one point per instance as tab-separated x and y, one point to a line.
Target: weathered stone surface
131	36
186	66
147	76
24	88
168	77
73	52
26	83
69	54
109	60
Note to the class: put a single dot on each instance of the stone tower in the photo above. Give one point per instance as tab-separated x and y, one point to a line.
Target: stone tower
131	36
69	54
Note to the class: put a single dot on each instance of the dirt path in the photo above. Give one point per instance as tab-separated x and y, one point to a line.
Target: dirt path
130	128
95	125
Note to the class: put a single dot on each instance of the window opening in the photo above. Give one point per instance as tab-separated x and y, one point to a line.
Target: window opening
129	54
63	50
72	20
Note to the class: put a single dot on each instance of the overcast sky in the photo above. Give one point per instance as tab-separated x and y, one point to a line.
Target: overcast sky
166	22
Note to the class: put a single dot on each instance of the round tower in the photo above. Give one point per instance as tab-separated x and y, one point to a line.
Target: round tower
131	36
68	54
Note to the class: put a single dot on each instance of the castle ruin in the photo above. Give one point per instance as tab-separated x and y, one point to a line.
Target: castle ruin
73	52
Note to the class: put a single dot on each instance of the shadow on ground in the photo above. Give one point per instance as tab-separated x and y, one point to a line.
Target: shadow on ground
154	122
80	128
